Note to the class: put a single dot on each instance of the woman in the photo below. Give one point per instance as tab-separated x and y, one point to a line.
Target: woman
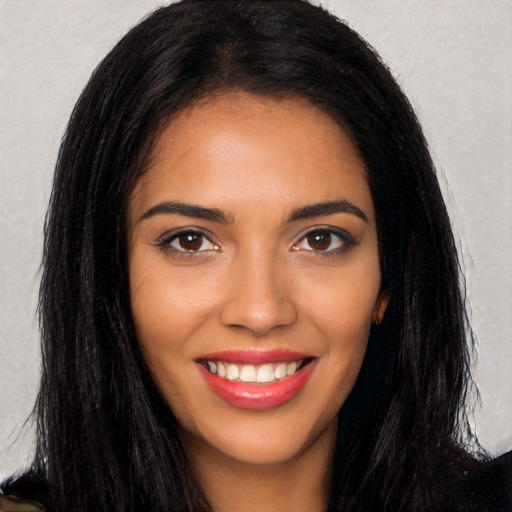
250	294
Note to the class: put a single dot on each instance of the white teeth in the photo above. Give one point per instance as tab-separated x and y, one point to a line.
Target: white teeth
248	373
265	373
290	368
233	373
280	371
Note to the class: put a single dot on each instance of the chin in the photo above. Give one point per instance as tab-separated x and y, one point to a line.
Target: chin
274	437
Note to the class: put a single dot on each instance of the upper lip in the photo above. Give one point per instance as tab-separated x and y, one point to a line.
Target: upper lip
255	357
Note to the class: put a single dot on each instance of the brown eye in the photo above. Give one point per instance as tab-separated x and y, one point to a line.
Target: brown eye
329	241
187	242
190	241
319	240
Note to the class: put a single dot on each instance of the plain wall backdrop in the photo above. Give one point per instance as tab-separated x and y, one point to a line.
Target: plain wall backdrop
454	61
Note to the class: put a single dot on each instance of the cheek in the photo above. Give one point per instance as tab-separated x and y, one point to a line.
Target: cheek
341	302
340	307
167	306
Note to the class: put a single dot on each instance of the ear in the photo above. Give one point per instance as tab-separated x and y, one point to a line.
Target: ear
380	307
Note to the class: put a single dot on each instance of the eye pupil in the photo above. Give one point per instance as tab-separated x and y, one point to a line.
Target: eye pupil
319	240
190	241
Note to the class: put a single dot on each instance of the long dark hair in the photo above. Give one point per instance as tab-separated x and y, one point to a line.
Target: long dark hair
106	438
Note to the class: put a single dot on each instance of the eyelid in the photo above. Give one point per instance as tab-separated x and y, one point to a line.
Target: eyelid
172	233
347	239
164	240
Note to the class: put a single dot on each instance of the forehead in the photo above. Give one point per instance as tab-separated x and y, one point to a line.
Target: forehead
243	149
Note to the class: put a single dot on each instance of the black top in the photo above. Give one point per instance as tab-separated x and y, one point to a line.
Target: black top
486	488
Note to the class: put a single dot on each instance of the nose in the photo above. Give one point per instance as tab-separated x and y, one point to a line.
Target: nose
260	298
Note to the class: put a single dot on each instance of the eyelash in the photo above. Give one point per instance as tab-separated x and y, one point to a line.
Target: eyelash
166	240
345	242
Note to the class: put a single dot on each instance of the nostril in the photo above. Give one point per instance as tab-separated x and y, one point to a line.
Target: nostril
259	318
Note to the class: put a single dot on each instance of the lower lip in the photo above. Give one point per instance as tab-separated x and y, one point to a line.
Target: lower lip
258	396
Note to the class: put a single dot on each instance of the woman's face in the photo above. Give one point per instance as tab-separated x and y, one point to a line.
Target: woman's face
254	274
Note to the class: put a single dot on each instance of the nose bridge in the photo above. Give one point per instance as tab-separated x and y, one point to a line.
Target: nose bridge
259	297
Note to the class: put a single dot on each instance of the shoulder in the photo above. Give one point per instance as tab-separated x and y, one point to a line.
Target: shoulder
23	493
487	487
14	504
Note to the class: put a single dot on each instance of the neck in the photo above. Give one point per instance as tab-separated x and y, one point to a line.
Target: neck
300	483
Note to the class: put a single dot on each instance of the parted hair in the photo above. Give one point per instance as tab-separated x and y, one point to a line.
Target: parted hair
106	439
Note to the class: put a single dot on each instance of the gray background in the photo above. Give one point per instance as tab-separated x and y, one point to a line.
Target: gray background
454	60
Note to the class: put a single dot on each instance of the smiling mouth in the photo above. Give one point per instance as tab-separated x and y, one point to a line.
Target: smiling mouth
257	379
267	373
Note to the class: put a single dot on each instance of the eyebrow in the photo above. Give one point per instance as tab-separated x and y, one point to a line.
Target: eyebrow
189	210
328	208
216	215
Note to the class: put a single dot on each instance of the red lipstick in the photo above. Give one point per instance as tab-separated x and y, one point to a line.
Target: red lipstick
257	395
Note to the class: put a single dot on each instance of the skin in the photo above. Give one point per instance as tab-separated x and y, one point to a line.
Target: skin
258	281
